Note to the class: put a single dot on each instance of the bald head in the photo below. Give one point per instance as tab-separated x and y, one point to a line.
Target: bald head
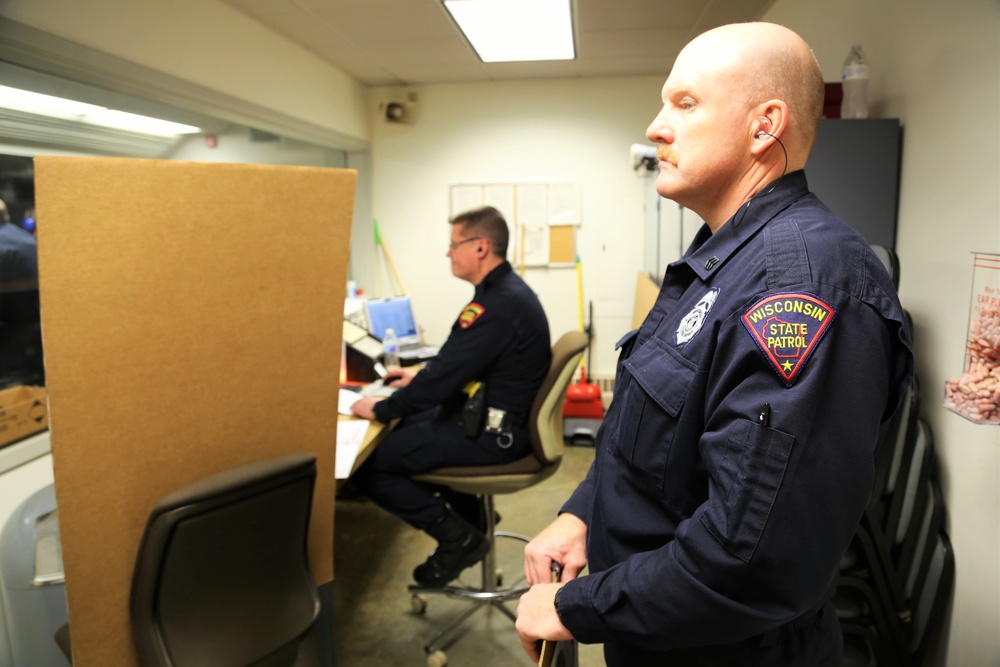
741	108
765	61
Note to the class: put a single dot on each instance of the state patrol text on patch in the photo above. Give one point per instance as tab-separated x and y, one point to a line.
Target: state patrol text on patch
787	327
470	314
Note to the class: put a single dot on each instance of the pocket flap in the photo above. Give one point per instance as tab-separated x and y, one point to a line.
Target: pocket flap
662	373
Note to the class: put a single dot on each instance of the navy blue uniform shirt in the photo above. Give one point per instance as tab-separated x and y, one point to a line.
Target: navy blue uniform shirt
738	453
500	338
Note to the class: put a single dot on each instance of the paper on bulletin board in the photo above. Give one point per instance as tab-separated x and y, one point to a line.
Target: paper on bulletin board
465	198
532	205
542	217
535	251
502	198
564	204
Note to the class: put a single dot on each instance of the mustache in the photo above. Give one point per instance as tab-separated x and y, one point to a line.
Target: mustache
666	154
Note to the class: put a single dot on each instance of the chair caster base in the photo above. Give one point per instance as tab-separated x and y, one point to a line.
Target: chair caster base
437	659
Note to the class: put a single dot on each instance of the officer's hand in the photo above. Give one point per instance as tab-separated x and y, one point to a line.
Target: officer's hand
565	542
363	407
398	377
537	619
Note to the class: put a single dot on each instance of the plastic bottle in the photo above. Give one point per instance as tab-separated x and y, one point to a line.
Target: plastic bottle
390	349
855	82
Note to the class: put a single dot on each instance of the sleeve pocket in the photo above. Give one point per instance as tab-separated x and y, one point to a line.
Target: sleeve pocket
745	485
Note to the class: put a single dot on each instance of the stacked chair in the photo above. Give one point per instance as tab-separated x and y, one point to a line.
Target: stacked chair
897	576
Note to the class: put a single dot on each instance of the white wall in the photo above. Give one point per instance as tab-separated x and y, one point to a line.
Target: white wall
575	131
210	45
936	66
237	146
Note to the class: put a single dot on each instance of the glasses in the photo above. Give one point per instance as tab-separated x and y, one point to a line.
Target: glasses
455	244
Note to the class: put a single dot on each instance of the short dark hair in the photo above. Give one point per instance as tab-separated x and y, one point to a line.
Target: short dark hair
487	222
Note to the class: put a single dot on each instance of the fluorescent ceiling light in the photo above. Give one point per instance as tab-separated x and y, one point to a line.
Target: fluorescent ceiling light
56	107
516	30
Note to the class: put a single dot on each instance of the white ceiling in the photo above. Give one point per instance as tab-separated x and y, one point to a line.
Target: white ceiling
411	42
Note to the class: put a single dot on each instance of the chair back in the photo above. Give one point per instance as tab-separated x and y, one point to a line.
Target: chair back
546	419
222	575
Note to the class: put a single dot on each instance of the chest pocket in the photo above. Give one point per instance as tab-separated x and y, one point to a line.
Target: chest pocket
649	433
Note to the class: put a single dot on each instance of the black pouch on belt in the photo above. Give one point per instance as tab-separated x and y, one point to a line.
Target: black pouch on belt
474	410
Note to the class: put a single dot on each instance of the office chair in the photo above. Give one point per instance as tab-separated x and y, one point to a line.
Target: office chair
547	444
222	575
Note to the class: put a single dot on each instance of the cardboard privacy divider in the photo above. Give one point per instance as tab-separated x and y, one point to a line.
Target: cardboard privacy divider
192	319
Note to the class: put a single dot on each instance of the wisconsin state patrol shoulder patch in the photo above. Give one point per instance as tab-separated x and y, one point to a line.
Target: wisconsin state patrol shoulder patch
787	327
470	314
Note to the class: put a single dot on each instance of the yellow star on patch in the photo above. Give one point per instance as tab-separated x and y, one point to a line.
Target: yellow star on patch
787	366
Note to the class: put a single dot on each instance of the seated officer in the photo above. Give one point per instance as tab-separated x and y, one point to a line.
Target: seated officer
500	340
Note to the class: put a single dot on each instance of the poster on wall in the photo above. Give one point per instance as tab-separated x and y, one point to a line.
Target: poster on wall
543	218
976	394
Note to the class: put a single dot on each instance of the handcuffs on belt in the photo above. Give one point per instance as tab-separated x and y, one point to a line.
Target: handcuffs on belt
475	412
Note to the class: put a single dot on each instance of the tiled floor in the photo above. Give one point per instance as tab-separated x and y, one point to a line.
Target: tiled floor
374	556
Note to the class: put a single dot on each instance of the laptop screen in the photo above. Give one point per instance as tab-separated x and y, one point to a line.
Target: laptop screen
395	313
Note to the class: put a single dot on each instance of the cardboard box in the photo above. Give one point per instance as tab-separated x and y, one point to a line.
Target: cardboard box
22	412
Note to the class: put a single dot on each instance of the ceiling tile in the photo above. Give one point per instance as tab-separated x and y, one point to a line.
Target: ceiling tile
628	14
661	43
387	42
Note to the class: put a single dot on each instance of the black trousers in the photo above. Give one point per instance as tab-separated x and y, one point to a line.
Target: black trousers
421	444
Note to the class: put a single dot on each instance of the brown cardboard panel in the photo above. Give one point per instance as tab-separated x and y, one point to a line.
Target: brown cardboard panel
192	317
646	292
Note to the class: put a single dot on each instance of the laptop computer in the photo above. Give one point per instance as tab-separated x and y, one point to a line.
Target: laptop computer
396	313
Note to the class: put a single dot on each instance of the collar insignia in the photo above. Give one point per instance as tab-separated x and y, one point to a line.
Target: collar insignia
470	314
693	321
787	327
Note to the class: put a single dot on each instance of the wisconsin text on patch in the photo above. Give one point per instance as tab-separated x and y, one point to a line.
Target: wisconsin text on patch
787	327
470	314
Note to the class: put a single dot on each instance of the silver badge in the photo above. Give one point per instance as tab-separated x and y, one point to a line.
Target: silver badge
693	321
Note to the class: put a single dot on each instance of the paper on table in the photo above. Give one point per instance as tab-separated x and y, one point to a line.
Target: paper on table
350	435
346	399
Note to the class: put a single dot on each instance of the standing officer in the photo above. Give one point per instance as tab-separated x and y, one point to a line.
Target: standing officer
500	345
738	454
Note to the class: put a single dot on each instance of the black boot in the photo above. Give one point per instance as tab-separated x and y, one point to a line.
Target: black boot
459	546
470	510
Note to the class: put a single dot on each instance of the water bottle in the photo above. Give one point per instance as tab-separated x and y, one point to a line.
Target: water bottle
855	82
390	349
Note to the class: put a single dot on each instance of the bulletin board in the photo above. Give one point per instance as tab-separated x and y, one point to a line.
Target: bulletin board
543	218
185	334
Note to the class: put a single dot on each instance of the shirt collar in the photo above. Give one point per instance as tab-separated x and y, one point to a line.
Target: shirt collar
708	252
498	272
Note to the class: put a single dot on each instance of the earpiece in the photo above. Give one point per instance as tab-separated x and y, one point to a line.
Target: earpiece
763	132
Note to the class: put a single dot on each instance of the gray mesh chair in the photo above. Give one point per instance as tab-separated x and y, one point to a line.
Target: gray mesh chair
546	424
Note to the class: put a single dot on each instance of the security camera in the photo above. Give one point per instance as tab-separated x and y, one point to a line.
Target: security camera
641	155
